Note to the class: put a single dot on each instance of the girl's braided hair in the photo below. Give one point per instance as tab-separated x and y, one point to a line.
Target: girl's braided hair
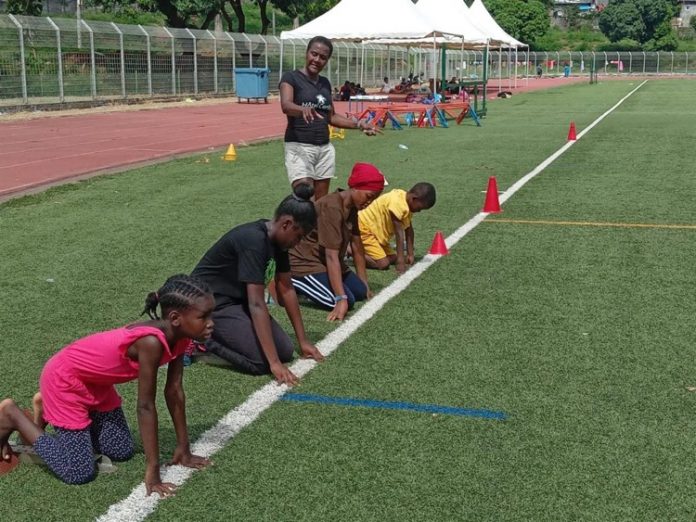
178	292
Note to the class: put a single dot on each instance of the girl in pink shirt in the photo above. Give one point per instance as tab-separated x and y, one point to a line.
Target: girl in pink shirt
77	395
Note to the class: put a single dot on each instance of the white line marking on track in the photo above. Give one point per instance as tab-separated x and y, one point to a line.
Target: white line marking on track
137	506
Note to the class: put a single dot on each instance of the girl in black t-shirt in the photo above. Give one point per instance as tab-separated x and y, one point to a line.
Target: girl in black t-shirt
305	98
237	268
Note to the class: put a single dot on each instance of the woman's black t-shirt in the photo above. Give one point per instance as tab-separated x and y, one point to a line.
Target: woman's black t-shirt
244	255
309	94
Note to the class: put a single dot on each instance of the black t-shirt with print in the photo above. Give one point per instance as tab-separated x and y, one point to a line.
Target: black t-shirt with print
309	94
243	255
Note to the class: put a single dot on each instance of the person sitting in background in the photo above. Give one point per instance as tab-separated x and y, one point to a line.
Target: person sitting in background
385	86
345	91
453	85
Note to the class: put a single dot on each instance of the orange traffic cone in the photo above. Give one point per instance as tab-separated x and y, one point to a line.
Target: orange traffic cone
571	132
492	204
439	247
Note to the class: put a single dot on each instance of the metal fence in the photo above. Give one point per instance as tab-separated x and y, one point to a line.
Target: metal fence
55	60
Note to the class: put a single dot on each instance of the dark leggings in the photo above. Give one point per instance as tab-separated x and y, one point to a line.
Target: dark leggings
317	288
70	453
234	340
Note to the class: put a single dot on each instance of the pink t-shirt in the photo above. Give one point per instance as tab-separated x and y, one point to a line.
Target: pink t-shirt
80	378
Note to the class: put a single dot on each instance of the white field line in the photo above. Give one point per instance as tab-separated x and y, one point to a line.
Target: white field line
137	506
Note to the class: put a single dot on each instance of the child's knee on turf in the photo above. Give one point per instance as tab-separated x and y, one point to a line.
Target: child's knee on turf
383	263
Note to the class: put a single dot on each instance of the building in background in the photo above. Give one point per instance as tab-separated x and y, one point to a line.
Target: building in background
686	12
563	10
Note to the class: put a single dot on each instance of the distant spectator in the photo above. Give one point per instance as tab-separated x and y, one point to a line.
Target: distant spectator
385	86
539	71
345	91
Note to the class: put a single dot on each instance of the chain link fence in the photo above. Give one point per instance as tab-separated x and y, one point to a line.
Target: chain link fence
55	60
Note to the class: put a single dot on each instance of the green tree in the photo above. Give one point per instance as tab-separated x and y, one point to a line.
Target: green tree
692	23
178	13
646	21
24	7
526	20
305	10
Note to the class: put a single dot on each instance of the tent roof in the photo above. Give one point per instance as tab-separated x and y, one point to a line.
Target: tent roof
359	20
454	17
483	19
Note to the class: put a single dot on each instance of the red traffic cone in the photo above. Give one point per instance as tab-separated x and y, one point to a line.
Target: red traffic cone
439	247
571	132
492	204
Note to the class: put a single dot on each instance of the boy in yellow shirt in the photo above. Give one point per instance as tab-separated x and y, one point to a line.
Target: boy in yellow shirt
389	216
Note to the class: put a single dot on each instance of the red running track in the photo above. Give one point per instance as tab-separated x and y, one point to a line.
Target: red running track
43	151
48	150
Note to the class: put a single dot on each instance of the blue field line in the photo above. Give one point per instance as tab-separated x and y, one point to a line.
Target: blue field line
389	405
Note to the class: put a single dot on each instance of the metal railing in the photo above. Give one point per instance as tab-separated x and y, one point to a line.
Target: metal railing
56	60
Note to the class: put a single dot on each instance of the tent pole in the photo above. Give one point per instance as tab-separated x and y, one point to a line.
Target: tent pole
434	66
526	74
500	68
443	68
516	60
362	63
485	78
280	72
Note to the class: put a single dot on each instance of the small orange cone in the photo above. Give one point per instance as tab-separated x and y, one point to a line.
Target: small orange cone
231	154
571	132
439	247
492	204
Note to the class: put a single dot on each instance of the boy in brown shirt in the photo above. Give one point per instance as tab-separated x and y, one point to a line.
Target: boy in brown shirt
317	266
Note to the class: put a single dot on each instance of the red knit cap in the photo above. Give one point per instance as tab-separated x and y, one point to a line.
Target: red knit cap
366	176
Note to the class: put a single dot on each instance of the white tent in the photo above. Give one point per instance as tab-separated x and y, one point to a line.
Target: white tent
453	16
483	20
364	20
359	20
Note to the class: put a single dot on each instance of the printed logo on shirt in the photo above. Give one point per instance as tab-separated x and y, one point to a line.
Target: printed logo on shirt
321	103
270	271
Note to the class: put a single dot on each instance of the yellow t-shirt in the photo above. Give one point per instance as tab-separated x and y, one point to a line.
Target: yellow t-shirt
376	218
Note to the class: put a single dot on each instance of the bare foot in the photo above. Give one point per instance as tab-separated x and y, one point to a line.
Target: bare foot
37	404
7	426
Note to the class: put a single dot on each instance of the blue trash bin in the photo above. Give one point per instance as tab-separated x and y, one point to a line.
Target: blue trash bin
252	83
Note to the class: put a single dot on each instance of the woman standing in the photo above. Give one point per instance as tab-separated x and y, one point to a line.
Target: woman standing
305	98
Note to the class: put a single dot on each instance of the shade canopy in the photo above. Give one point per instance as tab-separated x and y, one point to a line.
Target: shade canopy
453	16
480	16
359	20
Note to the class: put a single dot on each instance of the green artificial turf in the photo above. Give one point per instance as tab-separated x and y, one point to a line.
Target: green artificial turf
582	335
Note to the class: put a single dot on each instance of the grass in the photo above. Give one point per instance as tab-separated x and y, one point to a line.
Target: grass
582	335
